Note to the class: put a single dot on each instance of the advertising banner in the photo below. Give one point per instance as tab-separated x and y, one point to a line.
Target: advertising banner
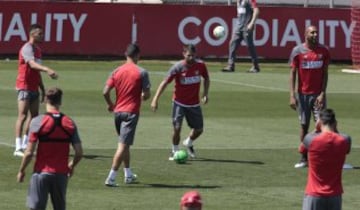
162	30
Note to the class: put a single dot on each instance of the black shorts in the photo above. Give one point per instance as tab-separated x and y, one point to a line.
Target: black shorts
193	116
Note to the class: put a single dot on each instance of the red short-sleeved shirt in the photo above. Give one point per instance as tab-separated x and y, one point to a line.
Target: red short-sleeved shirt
326	157
27	78
311	65
187	81
129	80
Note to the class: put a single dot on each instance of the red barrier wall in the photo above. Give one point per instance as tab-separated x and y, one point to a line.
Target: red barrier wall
161	30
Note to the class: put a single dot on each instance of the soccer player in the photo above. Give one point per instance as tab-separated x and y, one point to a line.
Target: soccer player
191	200
187	74
327	151
247	14
309	65
28	83
132	84
52	133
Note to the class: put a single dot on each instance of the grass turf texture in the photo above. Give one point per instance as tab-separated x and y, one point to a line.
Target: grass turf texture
246	154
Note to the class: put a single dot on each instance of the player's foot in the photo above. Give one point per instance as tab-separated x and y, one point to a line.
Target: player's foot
347	166
111	183
301	164
253	70
19	153
190	148
171	157
131	179
228	69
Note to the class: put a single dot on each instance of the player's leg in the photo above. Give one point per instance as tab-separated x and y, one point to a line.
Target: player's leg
34	111
194	119
248	37
304	110
234	43
177	119
58	190
125	124
38	192
23	108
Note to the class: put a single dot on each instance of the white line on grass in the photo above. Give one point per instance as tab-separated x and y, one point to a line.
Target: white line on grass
256	86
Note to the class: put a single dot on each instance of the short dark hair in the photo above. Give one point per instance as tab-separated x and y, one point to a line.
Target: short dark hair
34	27
54	96
327	117
132	50
189	48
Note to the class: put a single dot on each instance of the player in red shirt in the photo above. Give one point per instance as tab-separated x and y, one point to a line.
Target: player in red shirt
187	74
327	151
28	83
52	134
132	84
309	65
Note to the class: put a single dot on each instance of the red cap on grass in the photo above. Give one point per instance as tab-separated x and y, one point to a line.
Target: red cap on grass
191	199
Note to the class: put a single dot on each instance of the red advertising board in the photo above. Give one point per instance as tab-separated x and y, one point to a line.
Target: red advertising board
161	30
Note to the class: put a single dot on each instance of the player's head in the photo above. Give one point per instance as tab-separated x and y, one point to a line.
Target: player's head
189	53
133	52
311	35
327	117
54	96
191	200
36	33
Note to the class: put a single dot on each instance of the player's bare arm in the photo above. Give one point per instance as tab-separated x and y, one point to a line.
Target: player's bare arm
293	102
159	91
77	157
205	97
25	161
107	97
52	73
145	95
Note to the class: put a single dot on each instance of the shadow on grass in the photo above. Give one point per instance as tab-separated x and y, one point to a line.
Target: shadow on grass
184	186
229	161
93	157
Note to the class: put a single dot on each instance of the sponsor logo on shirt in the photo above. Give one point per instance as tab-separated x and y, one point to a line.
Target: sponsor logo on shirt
190	80
312	64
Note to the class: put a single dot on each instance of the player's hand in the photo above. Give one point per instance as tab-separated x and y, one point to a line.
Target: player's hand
20	177
52	74
205	99
319	102
293	103
110	107
42	97
154	106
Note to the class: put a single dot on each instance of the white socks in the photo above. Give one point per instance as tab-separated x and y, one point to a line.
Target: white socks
112	174
127	172
175	148
18	143
25	141
188	142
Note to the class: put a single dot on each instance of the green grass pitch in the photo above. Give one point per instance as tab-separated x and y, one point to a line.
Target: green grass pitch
246	154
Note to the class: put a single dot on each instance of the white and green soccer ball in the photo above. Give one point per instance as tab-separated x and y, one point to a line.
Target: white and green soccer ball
180	156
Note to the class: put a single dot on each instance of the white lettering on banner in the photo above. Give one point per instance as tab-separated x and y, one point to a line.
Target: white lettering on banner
16	26
206	32
328	30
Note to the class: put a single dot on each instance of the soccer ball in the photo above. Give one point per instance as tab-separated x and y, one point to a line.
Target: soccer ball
180	156
219	31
